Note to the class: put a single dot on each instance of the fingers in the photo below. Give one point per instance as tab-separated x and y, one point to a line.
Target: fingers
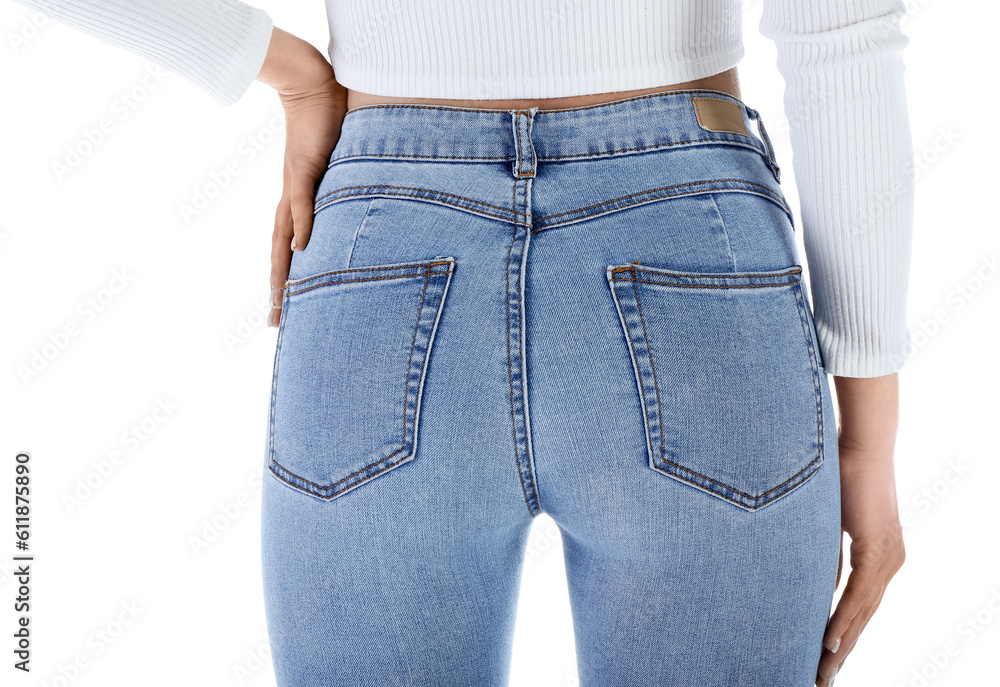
862	596
293	222
303	197
281	257
860	586
831	661
853	633
825	660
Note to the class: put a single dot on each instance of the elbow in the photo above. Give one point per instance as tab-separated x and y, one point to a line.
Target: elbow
860	33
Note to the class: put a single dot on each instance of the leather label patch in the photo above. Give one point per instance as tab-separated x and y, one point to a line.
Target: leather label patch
716	114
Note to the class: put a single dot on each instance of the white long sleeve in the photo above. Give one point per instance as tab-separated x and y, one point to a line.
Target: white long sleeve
217	44
844	99
853	160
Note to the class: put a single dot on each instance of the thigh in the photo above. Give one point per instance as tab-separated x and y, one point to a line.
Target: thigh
393	522
685	439
681	589
386	587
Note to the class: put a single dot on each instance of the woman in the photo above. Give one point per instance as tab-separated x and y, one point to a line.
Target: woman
562	208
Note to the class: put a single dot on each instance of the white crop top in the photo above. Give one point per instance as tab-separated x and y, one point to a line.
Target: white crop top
844	100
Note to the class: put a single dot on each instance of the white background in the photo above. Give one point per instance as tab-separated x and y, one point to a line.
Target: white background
186	332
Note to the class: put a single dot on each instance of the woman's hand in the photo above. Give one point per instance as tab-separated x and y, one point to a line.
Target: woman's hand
869	411
315	105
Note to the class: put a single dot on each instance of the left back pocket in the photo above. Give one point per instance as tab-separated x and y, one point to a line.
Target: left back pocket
351	359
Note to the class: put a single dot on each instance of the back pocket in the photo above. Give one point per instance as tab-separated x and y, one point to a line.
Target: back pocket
351	359
727	372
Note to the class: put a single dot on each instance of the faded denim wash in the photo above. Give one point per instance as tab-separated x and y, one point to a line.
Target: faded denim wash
598	313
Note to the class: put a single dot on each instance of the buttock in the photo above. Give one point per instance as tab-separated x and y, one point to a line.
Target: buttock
598	316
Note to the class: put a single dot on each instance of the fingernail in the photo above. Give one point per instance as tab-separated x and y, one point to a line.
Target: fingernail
836	645
294	245
275	297
272	318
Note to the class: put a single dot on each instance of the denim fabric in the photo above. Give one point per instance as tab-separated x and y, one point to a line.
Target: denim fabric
597	313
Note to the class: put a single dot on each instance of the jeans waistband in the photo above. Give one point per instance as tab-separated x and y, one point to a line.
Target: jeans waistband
527	137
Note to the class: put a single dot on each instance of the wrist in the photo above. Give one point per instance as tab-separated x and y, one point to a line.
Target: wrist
868	414
293	66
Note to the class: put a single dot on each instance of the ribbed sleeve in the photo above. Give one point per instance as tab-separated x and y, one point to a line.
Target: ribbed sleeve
852	156
217	44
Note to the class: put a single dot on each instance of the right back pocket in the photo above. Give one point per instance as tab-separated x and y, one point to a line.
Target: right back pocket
353	351
728	375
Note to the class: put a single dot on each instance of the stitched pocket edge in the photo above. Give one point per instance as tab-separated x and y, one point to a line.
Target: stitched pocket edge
791	276
408	451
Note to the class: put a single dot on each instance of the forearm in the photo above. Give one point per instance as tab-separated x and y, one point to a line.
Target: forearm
217	45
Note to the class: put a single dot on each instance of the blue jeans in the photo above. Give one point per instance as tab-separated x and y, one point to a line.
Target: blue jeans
596	313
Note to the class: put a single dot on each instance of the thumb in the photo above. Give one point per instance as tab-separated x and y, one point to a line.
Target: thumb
303	190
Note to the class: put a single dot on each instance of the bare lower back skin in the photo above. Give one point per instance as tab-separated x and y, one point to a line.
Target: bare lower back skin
726	81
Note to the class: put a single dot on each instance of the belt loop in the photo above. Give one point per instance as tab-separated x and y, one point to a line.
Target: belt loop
769	154
524	152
